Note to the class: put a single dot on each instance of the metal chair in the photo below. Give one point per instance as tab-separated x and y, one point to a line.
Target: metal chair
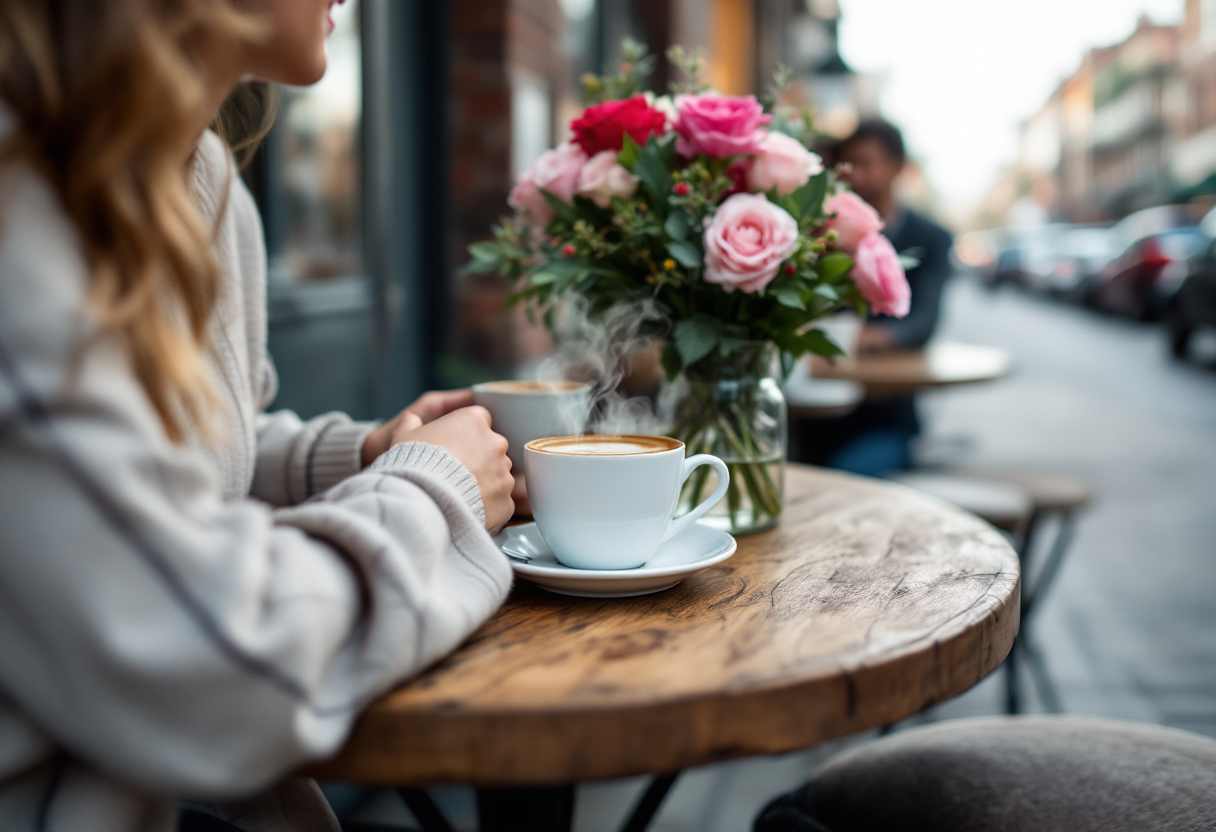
1024	504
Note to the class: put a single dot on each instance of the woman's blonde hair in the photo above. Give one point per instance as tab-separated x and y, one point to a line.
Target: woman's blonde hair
109	102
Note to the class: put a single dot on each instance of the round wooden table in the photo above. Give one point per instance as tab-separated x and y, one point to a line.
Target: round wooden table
945	364
869	603
820	398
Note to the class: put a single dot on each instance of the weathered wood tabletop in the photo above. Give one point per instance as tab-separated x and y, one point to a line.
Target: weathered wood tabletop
869	603
901	372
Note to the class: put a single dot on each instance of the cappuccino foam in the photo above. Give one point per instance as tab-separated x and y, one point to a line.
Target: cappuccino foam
604	445
603	448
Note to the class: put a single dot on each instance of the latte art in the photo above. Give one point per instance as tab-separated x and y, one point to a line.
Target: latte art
604	445
602	448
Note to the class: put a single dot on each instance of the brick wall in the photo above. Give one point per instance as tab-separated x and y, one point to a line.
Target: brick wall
490	39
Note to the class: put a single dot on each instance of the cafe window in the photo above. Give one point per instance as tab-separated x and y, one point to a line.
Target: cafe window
312	197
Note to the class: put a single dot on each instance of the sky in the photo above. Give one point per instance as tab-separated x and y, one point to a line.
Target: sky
961	75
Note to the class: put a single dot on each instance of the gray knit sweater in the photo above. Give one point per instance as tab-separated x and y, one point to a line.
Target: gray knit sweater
196	621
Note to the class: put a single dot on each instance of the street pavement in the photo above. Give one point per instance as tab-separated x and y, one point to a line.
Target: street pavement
1129	630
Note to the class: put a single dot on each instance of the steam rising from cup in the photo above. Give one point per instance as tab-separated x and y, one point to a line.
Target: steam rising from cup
597	351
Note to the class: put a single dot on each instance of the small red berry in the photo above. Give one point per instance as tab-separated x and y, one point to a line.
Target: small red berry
789	268
681	189
568	249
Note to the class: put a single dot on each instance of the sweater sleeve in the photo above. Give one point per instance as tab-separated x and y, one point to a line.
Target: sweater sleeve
180	643
297	459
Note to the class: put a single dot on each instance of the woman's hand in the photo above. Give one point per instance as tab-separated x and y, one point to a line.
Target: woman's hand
427	409
466	435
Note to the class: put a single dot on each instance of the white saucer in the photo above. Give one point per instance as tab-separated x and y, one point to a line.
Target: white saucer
694	550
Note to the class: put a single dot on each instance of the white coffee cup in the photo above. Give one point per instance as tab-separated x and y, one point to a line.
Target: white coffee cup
526	410
607	502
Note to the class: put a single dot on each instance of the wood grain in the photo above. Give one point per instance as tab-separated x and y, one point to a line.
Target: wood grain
870	602
907	371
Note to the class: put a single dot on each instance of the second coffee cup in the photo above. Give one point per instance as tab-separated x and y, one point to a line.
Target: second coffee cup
607	502
526	410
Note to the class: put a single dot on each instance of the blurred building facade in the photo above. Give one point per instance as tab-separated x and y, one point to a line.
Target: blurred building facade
1139	112
1194	162
1134	126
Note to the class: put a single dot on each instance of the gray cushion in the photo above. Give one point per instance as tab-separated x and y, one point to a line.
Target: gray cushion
1021	774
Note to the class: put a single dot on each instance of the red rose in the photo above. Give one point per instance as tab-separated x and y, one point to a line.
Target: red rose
603	126
736	172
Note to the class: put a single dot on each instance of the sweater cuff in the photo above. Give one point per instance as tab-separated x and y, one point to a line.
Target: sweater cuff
435	461
336	454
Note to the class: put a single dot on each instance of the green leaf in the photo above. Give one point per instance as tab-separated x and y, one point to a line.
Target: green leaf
677	226
827	292
653	173
486	256
788	202
628	156
791	297
820	344
479	267
567	265
813	341
484	251
544	277
671	360
834	266
810	197
665	150
686	254
564	210
696	337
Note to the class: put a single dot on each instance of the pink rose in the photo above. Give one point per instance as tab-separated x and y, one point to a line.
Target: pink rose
746	242
555	171
880	277
783	163
854	221
718	125
602	178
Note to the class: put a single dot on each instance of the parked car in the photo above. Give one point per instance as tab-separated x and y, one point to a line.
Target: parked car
1083	254
1194	304
1043	248
1028	255
1007	267
1143	279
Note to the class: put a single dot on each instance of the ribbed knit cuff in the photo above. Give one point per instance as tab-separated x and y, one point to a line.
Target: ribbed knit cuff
438	463
336	454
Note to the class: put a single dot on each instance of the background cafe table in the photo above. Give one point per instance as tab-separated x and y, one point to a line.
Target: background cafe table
945	364
869	603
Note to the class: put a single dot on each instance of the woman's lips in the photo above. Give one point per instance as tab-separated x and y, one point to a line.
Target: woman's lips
329	13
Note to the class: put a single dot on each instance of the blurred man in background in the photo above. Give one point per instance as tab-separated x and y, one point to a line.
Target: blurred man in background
876	438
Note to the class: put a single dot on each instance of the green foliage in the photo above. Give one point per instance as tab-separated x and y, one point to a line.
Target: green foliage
696	337
650	245
634	67
690	64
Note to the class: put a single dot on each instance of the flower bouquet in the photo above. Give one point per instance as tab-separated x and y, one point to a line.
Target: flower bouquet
712	207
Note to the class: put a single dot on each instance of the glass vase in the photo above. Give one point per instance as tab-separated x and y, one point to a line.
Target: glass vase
732	407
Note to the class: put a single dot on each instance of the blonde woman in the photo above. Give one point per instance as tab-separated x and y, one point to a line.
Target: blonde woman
195	597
